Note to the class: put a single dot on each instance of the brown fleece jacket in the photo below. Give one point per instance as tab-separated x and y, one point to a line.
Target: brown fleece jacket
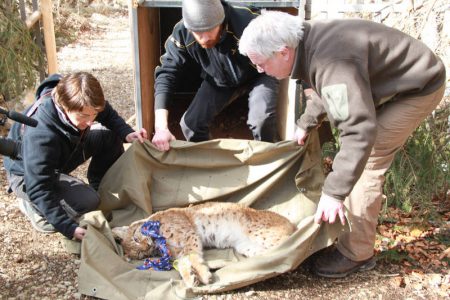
354	66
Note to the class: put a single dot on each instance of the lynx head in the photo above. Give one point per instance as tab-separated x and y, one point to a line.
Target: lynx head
135	245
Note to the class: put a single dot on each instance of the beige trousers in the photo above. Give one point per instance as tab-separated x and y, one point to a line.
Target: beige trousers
396	120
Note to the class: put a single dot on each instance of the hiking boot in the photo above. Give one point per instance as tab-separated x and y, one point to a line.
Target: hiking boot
333	264
37	221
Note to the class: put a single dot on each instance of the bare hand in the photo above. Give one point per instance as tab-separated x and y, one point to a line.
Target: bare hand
328	209
137	135
300	135
79	233
162	138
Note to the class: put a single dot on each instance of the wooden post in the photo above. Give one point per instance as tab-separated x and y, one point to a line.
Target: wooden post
49	35
146	52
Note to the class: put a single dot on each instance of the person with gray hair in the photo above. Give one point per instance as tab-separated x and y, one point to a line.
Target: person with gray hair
208	37
376	85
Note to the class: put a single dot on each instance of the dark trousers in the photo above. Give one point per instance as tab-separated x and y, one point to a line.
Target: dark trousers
75	196
210	100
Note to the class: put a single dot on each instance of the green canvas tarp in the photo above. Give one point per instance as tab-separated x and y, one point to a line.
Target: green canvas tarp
282	177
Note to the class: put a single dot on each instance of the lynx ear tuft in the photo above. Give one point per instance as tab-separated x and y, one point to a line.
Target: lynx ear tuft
120	232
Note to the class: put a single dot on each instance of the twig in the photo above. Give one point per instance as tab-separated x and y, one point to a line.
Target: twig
388	275
368	275
22	231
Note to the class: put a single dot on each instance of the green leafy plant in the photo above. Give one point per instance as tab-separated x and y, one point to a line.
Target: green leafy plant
420	171
393	256
20	56
331	148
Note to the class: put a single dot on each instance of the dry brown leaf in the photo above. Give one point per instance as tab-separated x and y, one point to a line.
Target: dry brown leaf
446	253
409	248
416	232
417	274
398	281
409	239
423	252
420	244
436	262
382	229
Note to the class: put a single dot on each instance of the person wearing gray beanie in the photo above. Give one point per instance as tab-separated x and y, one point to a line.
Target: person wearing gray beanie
201	15
207	39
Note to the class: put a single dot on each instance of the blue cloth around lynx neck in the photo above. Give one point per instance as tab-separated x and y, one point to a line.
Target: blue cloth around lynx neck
151	229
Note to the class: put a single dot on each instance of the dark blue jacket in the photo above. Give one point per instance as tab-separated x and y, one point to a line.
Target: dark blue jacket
46	151
222	66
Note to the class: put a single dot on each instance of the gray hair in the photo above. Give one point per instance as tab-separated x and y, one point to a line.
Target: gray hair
270	32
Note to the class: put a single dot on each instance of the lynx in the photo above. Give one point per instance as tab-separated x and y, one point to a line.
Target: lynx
210	225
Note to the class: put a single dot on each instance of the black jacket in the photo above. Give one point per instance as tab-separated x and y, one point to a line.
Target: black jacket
222	65
46	151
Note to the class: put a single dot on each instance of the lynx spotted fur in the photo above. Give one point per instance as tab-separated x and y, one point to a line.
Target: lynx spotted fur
210	225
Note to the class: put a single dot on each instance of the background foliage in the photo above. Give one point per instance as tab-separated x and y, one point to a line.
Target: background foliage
20	55
419	177
420	171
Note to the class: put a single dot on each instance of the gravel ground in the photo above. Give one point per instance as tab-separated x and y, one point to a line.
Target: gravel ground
37	266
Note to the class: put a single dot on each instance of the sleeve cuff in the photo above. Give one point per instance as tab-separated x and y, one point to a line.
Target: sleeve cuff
162	101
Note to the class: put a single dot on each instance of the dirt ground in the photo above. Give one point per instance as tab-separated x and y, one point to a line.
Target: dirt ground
37	266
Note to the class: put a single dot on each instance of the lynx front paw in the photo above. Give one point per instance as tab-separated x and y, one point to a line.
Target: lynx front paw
198	264
187	272
189	278
193	270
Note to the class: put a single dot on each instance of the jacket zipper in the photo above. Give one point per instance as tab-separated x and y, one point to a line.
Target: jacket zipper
230	65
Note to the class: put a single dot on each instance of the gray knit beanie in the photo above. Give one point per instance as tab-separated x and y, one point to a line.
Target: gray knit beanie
202	15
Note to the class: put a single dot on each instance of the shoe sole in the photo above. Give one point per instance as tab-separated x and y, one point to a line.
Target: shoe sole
363	268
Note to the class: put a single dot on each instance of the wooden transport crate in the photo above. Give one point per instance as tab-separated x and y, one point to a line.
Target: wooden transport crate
152	22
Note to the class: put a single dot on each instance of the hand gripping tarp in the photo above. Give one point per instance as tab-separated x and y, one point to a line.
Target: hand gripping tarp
282	177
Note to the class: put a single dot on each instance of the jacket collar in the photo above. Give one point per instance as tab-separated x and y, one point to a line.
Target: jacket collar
300	65
63	116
